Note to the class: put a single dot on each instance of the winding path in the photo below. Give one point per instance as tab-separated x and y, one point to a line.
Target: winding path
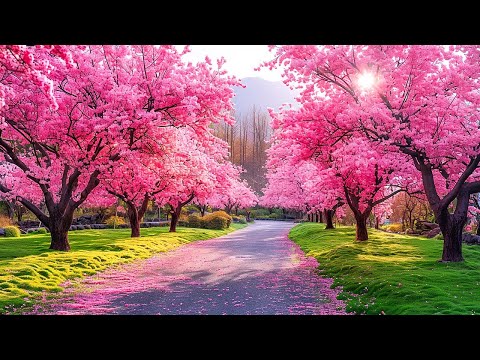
256	270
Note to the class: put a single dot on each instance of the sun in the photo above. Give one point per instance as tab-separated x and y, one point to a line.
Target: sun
366	80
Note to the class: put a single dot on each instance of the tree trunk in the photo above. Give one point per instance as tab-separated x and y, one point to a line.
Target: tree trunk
316	217
59	240
320	214
10	210
452	228
329	219
236	211
361	224
132	213
175	214
19	210
58	227
203	209
377	222
478	227
248	216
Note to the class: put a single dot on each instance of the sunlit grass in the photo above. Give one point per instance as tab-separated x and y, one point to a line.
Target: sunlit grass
28	267
396	274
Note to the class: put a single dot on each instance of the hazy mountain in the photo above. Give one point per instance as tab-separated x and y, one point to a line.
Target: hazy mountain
262	93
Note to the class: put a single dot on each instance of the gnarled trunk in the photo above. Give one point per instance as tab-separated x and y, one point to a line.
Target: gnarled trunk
452	228
175	215
329	219
58	226
176	211
60	212
132	213
361	226
59	240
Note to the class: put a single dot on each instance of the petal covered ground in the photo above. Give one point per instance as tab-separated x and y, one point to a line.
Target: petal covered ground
256	270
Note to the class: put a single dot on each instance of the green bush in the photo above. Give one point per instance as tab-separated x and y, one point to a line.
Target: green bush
260	213
224	215
210	221
239	219
41	230
216	223
182	223
220	213
12	231
195	221
395	227
117	220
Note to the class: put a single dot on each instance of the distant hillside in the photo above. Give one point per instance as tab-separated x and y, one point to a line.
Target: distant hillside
248	139
262	93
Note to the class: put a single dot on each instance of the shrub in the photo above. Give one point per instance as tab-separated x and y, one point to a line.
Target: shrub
195	221
395	227
182	223
239	219
261	213
5	221
439	237
117	220
223	214
216	223
210	221
300	220
12	231
41	230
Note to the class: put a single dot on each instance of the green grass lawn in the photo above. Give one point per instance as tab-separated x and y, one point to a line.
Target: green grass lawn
396	274
29	269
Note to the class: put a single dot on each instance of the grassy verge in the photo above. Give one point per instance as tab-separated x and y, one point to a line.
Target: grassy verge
396	274
29	269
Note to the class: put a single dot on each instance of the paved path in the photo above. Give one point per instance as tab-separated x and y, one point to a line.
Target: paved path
256	270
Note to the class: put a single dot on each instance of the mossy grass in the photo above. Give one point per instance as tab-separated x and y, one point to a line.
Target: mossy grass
392	273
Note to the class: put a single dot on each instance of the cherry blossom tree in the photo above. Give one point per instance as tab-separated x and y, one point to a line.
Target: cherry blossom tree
113	101
299	184
421	101
136	183
195	171
365	172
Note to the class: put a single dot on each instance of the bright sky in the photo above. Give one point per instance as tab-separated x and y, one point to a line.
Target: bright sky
241	59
